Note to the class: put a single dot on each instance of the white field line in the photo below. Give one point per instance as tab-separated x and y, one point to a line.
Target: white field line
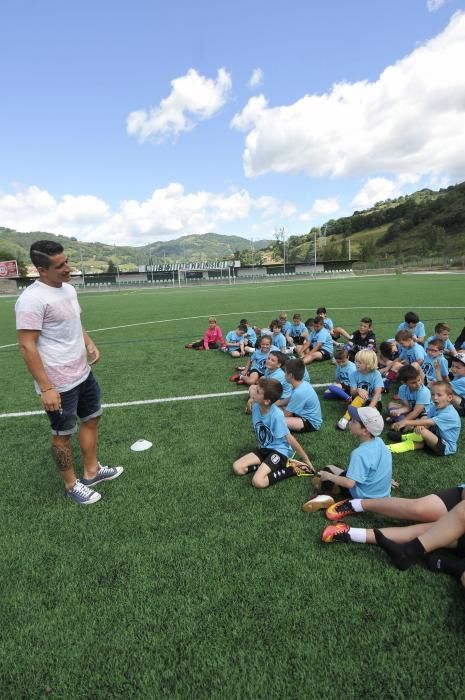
147	402
238	313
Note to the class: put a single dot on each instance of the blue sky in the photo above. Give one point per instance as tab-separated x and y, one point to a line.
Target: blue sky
135	121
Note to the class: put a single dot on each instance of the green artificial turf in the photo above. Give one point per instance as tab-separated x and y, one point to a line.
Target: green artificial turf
184	581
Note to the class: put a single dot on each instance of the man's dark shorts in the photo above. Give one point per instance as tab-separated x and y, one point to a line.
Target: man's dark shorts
82	402
274	460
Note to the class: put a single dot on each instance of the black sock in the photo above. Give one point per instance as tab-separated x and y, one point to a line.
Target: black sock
280	474
402	555
252	468
446	562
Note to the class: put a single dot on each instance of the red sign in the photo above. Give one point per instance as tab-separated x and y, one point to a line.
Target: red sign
8	268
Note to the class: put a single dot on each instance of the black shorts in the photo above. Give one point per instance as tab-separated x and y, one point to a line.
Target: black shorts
257	371
325	355
461	546
308	427
299	340
461	409
274	460
450	497
440	448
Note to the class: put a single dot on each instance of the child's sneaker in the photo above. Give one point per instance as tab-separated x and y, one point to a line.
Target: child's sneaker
82	494
103	474
234	377
342	424
317	503
336	533
340	510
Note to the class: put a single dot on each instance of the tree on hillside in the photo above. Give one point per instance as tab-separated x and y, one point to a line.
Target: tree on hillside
112	269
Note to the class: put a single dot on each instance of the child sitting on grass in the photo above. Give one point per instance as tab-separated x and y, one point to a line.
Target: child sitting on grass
273	370
369	473
458	382
388	353
298	333
255	365
410	352
250	335
327	322
366	384
415	398
303	412
434	365
269	462
319	345
341	388
413	324
277	338
361	339
438	431
442	331
236	342
212	339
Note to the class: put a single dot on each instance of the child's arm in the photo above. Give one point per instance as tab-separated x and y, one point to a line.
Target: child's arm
296	446
343	481
376	397
415	412
407	423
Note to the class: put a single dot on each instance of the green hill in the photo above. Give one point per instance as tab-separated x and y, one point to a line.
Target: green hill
96	256
412	227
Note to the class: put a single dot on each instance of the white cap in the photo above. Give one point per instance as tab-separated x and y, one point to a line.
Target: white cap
369	417
459	357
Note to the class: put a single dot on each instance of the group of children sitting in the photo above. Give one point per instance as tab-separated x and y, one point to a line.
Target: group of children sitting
424	414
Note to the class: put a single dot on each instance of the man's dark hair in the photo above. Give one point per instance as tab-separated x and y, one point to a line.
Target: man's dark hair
295	368
411	317
42	251
367	320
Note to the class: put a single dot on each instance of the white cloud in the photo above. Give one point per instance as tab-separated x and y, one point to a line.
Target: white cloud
193	98
169	212
433	5
376	190
321	207
256	78
410	120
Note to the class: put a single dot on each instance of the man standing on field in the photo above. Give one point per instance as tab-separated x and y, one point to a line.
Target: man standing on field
55	347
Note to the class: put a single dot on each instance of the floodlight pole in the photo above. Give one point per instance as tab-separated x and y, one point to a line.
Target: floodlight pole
82	267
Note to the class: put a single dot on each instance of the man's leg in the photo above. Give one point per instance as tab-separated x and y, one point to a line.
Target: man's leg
427	509
88	441
63	457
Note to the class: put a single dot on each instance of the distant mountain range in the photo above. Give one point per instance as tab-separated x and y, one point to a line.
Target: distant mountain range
95	256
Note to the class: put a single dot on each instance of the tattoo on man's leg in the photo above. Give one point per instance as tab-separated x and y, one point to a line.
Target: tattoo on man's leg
63	456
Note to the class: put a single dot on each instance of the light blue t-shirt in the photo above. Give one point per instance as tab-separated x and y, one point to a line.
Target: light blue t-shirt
418	330
279	341
232	337
447	421
458	385
296	331
280	376
305	403
328	324
414	354
370	381
370	467
430	370
421	395
448	344
286	327
343	372
251	336
271	429
258	361
322	336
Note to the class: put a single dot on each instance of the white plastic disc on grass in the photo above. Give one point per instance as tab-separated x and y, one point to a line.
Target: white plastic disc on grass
141	445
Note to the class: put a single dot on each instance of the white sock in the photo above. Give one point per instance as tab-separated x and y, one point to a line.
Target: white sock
356	504
358	534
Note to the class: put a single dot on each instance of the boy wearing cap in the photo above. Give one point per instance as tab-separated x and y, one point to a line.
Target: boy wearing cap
457	368
369	473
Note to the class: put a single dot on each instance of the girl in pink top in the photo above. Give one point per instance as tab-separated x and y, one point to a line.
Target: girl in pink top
212	339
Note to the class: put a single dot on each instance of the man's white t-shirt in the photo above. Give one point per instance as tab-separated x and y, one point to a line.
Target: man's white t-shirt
55	312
